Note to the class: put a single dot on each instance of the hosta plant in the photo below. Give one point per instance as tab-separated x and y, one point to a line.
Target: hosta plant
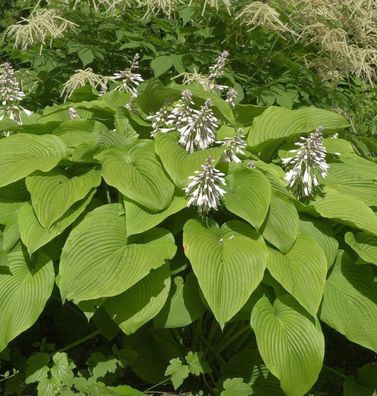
239	234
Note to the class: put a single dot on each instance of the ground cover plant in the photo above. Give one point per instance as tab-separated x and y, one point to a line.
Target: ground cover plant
165	229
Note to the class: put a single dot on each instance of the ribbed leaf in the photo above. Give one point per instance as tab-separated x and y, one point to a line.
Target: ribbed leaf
350	302
142	302
322	233
139	219
23	294
277	123
248	195
34	236
136	173
179	164
290	341
302	272
364	245
282	223
21	155
227	262
184	304
53	193
346	209
98	260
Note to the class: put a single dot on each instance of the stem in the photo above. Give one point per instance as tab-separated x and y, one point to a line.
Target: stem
196	333
80	341
335	371
155	386
213	351
232	338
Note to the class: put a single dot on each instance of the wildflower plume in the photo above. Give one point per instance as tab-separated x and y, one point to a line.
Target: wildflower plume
83	77
45	24
231	97
10	95
205	189
307	164
129	78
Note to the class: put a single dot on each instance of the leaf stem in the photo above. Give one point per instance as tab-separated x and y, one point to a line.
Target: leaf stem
334	371
80	341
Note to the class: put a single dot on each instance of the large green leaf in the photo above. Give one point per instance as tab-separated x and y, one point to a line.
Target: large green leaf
322	233
179	164
184	304
34	236
346	209
364	245
53	193
364	383
140	219
228	263
278	123
136	173
248	195
302	272
290	341
23	154
23	294
350	301
281	224
99	260
142	302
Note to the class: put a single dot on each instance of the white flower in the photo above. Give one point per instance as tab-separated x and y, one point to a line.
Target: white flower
231	97
233	146
198	131
73	114
307	164
10	95
130	79
205	190
183	112
217	70
160	122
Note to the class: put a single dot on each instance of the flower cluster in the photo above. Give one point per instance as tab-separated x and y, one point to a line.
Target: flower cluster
196	127
307	164
205	190
234	146
130	79
10	95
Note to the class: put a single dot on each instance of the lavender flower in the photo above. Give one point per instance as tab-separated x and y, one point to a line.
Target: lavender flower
198	131
231	97
217	69
233	146
130	80
183	112
73	114
205	190
307	164
160	122
10	95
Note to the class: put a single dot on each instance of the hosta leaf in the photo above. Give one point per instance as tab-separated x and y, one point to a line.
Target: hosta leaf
363	384
142	302
346	209
179	164
364	245
136	173
302	272
184	304
21	155
277	123
23	294
282	223
98	260
290	341
322	233
228	264
139	219
248	195
350	302
34	236
53	193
